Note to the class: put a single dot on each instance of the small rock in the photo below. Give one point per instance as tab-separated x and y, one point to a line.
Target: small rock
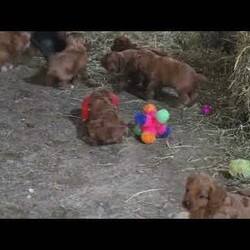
4	69
181	215
31	190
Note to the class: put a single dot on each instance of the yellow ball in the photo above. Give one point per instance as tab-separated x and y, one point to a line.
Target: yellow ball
148	137
149	108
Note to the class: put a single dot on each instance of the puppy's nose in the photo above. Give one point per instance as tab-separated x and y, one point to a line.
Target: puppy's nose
186	204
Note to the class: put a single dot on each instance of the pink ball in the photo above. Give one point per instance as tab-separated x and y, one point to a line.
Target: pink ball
161	128
206	109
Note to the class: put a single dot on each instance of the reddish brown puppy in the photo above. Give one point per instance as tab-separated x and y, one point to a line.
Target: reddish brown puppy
104	125
122	43
12	45
65	65
168	72
205	199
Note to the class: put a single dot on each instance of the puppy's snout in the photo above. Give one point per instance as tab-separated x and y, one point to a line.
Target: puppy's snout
186	204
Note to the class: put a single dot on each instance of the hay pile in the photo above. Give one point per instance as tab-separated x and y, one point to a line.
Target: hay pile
240	86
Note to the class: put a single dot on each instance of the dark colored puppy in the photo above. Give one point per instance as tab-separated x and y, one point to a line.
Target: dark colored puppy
49	42
123	65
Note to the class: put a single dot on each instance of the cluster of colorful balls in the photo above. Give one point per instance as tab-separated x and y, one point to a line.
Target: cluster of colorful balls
151	124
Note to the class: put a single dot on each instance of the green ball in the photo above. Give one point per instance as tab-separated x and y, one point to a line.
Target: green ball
162	116
137	130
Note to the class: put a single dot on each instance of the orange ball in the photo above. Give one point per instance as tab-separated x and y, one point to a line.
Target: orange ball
149	108
148	137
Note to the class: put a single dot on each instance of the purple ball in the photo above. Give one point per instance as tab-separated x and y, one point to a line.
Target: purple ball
206	109
167	132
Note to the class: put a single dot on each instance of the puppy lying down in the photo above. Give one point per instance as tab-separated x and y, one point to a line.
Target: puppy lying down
104	124
205	199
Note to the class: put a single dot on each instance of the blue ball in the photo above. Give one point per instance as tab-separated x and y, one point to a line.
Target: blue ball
167	132
140	118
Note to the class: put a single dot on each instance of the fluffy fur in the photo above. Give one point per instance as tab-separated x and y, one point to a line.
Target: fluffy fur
65	65
12	45
154	72
104	125
205	199
123	65
168	72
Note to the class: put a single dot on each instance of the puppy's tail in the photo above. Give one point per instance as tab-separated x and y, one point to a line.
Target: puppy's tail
159	52
201	78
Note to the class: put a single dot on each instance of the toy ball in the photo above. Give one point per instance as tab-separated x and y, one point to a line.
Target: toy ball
240	168
162	116
137	130
149	108
148	137
206	109
167	132
140	118
115	99
151	124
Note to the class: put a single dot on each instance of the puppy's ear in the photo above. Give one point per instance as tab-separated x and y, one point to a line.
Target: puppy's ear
216	197
103	60
61	34
120	58
87	44
70	39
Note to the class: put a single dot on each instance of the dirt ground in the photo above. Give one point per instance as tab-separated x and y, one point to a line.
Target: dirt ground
48	171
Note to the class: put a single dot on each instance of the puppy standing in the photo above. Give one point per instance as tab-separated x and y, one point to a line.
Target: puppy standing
123	65
12	45
65	65
168	72
204	199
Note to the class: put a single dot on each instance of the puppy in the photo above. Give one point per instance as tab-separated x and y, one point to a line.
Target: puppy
49	42
12	45
122	43
124	67
104	125
65	65
167	72
204	199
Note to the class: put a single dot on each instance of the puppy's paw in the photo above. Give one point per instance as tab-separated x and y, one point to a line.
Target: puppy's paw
64	85
4	68
11	66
